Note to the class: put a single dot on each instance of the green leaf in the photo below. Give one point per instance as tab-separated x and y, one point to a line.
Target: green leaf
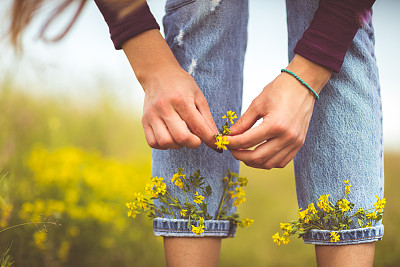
208	190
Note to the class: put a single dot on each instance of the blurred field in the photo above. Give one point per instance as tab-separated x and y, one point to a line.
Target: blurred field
80	164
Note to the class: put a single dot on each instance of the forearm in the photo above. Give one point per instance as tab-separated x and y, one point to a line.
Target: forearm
149	54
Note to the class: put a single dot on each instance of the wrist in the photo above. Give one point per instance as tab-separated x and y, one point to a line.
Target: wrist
315	75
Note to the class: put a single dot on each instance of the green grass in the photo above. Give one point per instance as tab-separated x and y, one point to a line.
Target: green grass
115	135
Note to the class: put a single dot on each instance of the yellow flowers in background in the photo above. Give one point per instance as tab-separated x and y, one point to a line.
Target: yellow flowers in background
329	216
77	185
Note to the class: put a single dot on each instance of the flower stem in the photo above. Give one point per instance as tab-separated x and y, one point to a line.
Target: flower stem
222	201
22	224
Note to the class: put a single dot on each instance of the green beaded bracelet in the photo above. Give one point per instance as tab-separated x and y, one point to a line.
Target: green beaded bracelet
302	82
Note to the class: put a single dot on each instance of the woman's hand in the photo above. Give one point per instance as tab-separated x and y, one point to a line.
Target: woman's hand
286	108
175	111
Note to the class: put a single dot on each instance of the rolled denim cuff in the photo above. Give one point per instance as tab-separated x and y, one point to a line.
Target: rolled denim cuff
347	237
179	228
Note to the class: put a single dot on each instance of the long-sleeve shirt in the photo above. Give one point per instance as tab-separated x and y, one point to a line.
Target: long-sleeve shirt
325	42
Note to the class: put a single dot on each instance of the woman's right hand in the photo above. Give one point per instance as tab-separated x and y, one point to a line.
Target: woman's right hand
175	111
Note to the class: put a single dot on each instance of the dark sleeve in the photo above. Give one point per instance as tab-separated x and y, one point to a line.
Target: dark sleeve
332	30
124	28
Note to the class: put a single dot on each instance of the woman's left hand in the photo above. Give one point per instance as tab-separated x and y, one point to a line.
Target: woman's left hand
286	107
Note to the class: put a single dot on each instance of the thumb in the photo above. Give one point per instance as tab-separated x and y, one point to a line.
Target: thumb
245	122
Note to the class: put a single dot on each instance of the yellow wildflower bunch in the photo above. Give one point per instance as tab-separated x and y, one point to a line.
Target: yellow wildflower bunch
221	140
196	194
329	216
156	187
195	211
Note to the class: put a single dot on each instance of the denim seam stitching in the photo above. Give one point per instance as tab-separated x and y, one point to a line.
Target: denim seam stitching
312	239
173	230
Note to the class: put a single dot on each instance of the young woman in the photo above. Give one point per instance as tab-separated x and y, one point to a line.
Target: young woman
194	75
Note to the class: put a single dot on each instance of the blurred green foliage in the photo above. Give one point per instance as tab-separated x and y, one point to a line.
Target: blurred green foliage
78	165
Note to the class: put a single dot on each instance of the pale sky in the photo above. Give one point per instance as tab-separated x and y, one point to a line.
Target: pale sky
86	60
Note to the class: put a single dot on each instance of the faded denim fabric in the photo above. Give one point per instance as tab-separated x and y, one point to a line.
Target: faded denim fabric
209	40
344	140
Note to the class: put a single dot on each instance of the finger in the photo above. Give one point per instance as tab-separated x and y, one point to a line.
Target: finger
180	132
150	138
163	136
204	109
280	159
252	137
197	124
289	157
262	155
246	121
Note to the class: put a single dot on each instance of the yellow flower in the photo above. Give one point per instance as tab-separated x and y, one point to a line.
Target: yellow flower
183	212
242	181
149	188
283	226
225	179
380	204
347	188
369	225
335	237
230	116
323	203
246	222
284	240
239	201
176	178
140	200
156	187
371	215
198	230
287	234
277	239
311	208
40	239
239	194
344	205
221	142
302	214
132	212
198	198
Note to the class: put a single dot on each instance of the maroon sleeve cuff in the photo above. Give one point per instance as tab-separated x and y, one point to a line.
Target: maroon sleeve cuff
130	25
332	30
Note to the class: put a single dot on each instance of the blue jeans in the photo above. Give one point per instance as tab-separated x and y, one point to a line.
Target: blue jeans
344	140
